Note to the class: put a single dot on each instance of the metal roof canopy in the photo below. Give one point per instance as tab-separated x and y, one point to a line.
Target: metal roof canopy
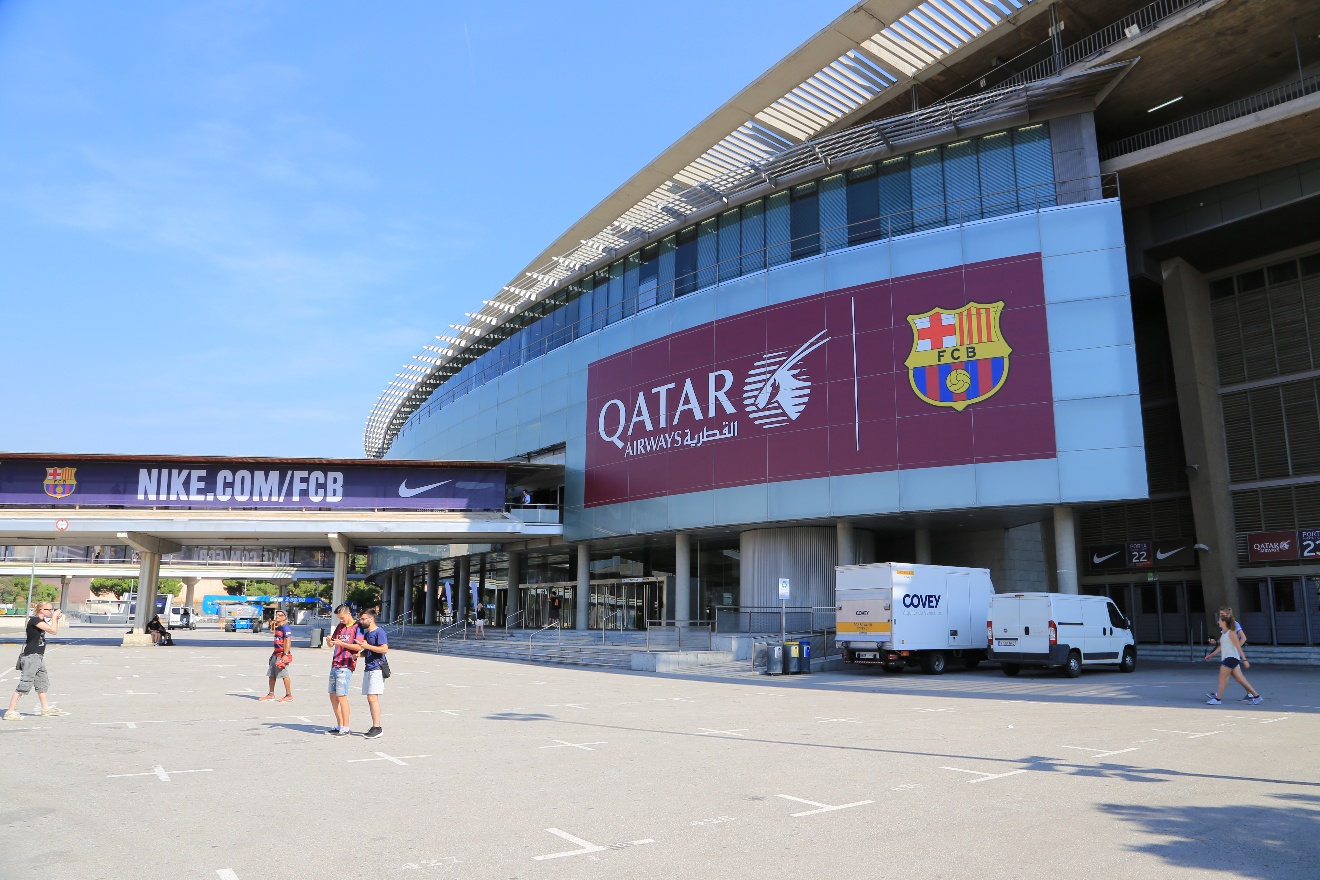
873	49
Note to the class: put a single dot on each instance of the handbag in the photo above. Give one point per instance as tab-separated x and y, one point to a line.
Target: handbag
384	667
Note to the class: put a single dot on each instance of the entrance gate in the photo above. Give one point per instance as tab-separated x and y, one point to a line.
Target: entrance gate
622	603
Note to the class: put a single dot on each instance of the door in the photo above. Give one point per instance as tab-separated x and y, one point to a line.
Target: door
1289	614
962	629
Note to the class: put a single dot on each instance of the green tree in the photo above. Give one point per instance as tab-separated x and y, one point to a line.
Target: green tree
173	586
119	586
245	587
363	595
14	591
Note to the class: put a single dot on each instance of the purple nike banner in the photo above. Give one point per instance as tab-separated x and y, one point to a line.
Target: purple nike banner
246	483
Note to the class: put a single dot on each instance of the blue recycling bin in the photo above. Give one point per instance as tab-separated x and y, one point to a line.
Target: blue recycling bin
804	662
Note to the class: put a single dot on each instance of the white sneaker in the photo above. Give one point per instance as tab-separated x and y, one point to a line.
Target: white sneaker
52	712
12	716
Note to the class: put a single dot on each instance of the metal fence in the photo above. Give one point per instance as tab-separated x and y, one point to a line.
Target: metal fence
1228	112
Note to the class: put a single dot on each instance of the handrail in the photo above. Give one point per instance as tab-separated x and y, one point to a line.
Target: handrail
1224	113
399	623
533	636
679	626
605	623
448	632
508	621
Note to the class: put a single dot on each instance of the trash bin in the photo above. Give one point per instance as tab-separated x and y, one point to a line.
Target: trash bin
804	664
774	659
792	657
316	636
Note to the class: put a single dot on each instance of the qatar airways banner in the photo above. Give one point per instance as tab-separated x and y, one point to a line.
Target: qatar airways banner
943	368
74	481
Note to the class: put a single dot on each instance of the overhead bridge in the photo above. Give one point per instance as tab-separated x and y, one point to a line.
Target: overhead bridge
158	506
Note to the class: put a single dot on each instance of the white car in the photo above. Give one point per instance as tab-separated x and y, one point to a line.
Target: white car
1058	630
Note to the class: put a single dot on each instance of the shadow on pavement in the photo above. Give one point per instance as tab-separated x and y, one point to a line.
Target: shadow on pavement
1273	842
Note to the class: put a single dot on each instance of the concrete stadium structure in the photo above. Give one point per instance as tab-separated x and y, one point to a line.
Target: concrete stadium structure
1022	285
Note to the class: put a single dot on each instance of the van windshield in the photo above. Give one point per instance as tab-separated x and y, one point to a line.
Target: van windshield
1116	619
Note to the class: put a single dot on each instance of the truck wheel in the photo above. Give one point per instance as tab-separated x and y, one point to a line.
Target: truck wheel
1010	669
1073	667
1129	661
933	662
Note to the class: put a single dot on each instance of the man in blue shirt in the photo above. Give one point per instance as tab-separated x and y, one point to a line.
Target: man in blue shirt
374	645
277	666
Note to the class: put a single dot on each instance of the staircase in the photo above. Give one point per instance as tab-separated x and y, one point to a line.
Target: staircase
561	647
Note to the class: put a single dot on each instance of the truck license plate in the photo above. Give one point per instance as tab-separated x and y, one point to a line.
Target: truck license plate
1005	643
867	655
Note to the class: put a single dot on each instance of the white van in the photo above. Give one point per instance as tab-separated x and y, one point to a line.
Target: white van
1058	629
899	614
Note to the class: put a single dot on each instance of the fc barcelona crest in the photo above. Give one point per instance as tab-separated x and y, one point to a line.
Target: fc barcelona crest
958	357
60	482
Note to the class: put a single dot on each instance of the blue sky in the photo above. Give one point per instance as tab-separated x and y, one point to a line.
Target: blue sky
224	226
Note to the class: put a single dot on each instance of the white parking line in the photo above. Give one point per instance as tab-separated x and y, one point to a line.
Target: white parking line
158	771
568	745
128	725
1187	733
921	709
821	808
133	694
381	756
707	731
1100	753
843	720
584	846
453	712
225	874
985	777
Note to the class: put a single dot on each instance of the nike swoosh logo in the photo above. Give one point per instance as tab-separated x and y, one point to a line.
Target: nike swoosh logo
1096	560
405	492
1159	555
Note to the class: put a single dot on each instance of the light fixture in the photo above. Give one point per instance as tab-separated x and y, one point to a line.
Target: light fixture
1204	548
1165	104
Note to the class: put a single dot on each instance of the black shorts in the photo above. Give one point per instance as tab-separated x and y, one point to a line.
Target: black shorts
1230	663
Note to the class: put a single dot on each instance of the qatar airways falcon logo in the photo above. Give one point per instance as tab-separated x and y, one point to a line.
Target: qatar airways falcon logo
778	387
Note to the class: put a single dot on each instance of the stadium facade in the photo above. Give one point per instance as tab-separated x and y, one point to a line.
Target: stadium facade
1021	285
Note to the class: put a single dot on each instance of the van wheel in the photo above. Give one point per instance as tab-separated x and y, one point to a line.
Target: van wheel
1073	667
933	663
1129	661
1011	669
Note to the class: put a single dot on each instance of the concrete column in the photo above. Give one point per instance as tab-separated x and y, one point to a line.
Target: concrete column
387	596
148	568
923	547
583	584
284	595
462	588
189	585
66	581
512	602
1065	548
1196	376
847	542
340	591
432	585
682	578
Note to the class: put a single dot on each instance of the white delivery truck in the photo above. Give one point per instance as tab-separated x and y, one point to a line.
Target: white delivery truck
896	614
1058	629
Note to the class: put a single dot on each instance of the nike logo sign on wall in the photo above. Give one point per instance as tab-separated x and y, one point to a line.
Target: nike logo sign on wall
1159	555
1096	560
405	492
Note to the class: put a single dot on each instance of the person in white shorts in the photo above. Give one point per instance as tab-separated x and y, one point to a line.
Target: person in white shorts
481	621
374	645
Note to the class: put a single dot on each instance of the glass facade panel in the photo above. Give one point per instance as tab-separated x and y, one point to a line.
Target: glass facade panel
986	176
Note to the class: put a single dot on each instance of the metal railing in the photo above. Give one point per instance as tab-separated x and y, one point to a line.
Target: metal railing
1127	28
397	626
605	623
1227	113
956	212
554	626
693	628
451	631
508	621
766	618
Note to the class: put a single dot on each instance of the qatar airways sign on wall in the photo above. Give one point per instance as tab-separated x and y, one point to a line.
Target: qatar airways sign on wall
943	368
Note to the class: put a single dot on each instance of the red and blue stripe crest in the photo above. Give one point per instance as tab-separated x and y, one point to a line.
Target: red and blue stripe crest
959	356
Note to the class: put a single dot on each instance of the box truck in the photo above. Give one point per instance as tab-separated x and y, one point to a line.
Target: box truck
1061	630
899	614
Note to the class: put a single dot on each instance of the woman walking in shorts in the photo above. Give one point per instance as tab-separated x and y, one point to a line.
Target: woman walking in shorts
1231	661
